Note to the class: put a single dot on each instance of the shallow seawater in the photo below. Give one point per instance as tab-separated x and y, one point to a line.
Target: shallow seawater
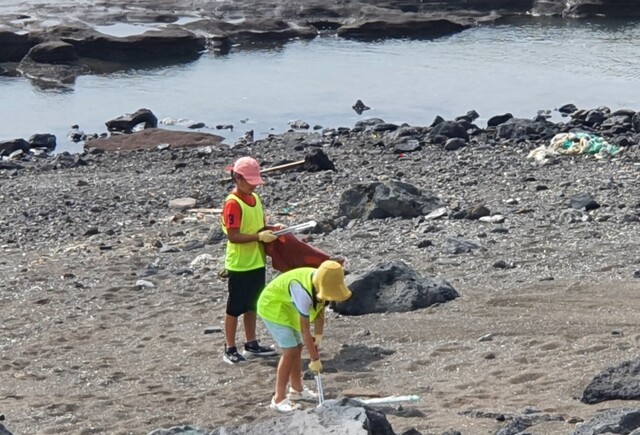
521	69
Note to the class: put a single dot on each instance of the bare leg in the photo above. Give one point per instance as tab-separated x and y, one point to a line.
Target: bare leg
295	376
230	328
284	372
249	319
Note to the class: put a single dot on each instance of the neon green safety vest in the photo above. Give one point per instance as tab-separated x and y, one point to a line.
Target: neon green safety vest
242	257
276	305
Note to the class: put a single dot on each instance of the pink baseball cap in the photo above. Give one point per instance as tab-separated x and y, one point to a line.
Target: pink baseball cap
249	168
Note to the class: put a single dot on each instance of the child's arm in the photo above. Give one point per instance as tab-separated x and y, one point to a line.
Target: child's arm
235	236
318	328
305	329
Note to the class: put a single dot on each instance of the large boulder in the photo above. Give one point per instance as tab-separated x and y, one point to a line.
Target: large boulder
316	160
43	140
499	119
393	287
615	383
519	128
379	200
126	123
449	129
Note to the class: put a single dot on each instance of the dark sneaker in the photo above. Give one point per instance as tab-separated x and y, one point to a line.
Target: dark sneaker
231	356
253	348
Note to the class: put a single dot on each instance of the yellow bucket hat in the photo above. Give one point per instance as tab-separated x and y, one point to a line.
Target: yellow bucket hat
329	282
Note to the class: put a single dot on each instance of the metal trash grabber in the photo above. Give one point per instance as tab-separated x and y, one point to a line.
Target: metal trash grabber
291	165
294	228
320	389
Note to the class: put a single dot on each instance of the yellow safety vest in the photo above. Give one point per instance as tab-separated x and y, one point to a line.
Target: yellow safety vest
241	257
276	304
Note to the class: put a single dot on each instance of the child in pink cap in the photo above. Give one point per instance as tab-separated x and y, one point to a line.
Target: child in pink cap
243	222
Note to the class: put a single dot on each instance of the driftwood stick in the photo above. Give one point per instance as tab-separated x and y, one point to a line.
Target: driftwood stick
390	400
285	166
205	210
273	169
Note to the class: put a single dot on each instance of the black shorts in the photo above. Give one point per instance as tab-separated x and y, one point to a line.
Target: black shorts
244	291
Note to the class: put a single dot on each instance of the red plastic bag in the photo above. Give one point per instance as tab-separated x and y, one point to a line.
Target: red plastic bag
288	252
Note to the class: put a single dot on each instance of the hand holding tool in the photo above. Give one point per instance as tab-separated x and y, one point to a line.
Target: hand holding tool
266	236
316	366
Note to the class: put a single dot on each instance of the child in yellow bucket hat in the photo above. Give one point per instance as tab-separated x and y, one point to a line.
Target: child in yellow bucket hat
288	305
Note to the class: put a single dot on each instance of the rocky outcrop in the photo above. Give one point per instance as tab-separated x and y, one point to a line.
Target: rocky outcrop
14	45
598	8
225	24
160	44
401	27
55	56
152	138
52	63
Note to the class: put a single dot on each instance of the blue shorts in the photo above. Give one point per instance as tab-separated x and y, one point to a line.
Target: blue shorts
285	336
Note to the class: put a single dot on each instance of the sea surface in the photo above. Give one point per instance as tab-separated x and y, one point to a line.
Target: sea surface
519	68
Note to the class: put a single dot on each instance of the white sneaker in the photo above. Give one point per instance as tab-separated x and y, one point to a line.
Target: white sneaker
284	406
304	395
